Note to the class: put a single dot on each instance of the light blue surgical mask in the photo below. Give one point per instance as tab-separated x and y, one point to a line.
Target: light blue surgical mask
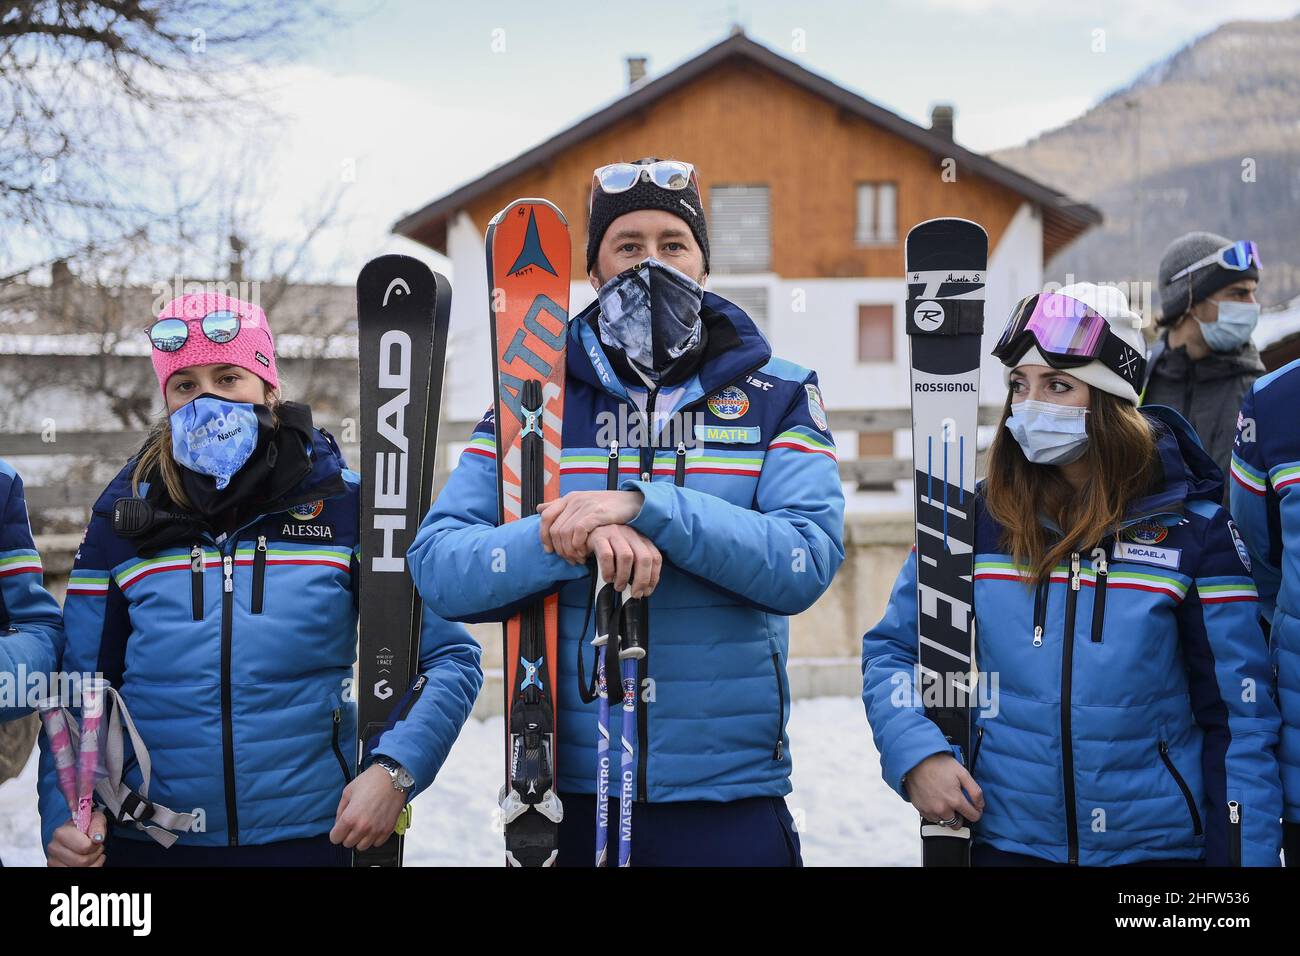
214	437
1048	433
1237	320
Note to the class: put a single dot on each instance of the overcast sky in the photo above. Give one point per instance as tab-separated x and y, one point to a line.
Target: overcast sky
423	96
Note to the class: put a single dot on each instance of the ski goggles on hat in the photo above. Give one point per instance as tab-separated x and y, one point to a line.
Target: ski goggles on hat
170	335
1237	256
1069	334
664	173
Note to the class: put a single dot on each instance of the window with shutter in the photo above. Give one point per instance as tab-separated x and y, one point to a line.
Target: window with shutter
740	237
877	219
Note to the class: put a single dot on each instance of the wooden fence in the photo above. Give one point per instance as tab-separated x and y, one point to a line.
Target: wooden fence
117	446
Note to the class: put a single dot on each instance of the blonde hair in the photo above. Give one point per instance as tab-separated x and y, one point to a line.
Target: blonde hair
156	455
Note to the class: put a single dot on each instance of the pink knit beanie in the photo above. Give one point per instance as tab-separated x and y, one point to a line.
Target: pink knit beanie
252	348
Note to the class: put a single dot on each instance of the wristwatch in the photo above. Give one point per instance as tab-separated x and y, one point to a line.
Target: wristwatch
402	779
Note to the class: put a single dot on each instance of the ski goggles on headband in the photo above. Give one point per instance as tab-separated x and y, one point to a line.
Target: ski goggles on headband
1237	257
664	173
170	335
1069	334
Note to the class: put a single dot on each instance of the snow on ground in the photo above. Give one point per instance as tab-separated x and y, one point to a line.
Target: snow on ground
846	814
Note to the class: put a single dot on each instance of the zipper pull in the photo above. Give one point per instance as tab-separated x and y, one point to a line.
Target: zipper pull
1100	566
261	542
227	569
1234	811
1074	570
338	718
779	753
613	449
1038	635
196	560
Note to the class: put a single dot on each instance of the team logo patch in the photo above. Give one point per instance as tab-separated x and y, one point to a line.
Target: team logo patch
307	511
816	409
1239	544
1148	532
729	403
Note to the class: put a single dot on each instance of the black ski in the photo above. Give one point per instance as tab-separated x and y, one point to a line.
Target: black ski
403	309
946	263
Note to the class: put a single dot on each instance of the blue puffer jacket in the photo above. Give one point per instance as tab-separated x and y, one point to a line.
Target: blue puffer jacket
1143	725
1266	474
749	519
238	676
31	624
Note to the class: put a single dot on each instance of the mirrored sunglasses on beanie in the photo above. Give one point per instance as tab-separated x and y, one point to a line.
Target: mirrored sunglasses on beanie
170	335
1236	256
1069	334
664	173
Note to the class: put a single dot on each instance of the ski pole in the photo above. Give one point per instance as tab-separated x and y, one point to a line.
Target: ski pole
631	650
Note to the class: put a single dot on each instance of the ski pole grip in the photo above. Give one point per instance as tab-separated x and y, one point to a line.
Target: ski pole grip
632	646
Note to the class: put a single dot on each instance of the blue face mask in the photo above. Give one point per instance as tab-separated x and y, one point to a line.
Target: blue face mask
1049	434
1237	320
214	437
652	312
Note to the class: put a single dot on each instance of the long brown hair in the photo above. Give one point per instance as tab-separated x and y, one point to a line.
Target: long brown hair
1121	459
156	455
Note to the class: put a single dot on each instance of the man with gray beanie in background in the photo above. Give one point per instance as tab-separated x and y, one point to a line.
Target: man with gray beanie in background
1204	362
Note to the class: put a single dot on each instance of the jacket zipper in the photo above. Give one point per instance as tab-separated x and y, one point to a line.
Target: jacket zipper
979	742
259	573
647	457
778	752
1067	745
1101	571
196	581
1040	611
1182	785
643	666
338	752
1234	833
227	723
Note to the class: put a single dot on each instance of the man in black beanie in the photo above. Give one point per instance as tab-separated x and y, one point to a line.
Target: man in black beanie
1204	362
698	473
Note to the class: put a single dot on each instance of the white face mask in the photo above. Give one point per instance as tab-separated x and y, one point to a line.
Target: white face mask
1048	433
1237	320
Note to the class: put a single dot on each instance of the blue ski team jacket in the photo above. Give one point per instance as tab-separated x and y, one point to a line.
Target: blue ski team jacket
750	525
1146	711
240	696
1265	472
31	624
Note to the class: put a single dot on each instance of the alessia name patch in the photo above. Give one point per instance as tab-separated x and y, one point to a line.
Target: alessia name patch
1148	554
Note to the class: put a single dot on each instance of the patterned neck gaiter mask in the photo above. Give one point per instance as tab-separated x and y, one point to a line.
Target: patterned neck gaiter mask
651	312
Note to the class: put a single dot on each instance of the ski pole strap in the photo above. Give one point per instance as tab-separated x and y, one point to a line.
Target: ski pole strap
946	316
124	804
587	691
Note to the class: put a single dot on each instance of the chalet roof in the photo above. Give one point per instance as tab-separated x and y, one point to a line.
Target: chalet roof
1064	219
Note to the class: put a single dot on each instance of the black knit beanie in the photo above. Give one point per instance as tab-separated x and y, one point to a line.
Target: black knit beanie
606	207
1179	295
